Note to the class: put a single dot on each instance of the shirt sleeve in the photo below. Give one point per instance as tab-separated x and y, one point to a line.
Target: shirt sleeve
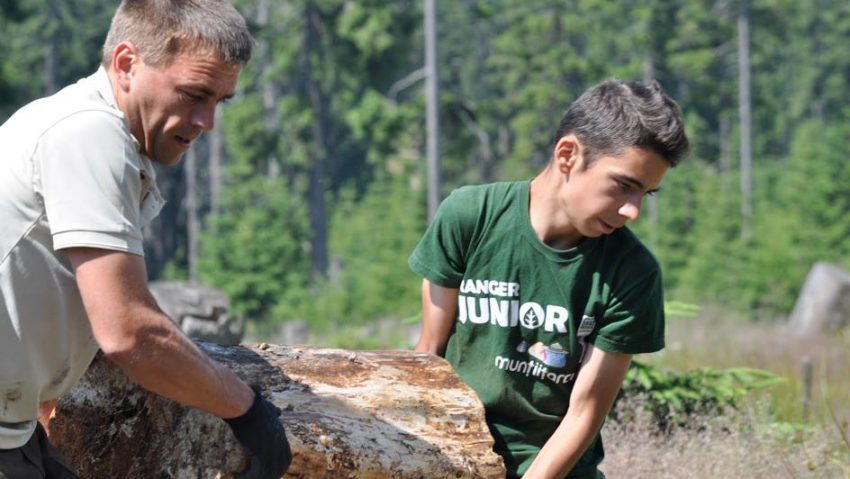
440	256
89	176
634	316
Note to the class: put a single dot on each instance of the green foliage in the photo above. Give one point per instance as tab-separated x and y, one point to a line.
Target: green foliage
255	251
680	310
325	137
674	399
371	239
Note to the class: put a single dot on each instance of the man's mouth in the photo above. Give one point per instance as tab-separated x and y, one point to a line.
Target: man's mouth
185	141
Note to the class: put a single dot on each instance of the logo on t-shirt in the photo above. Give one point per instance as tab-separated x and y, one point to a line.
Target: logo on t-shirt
544	358
497	303
500	306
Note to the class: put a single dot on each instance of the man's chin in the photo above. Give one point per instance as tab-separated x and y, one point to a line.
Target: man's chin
170	160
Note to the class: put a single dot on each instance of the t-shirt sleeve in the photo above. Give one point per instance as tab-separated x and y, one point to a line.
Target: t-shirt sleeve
440	256
633	322
89	178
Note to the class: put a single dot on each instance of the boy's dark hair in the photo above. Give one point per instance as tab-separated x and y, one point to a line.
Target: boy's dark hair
615	115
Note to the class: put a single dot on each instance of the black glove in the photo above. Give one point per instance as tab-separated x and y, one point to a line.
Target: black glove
261	433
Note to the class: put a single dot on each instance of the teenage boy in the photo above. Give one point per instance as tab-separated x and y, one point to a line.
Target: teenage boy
539	296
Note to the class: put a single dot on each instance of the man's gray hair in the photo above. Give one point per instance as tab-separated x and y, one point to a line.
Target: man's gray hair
164	29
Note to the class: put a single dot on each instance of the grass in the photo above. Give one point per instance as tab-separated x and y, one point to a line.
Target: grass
714	340
773	435
742	445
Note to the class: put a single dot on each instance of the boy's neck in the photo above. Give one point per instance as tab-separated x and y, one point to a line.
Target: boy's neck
547	212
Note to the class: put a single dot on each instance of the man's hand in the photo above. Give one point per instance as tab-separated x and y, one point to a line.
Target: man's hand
261	433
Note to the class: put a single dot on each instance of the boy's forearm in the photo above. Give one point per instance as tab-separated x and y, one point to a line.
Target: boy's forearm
566	446
439	307
596	387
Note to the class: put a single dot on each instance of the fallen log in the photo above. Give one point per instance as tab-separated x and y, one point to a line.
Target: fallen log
377	414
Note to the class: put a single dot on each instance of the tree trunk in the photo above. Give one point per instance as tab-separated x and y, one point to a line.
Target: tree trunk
432	102
193	213
316	194
216	162
347	414
744	108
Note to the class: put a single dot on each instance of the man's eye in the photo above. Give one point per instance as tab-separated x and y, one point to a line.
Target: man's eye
190	97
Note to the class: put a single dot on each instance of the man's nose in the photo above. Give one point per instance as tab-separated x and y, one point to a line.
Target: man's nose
204	117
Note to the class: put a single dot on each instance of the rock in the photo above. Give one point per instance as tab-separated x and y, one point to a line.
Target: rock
202	312
348	414
823	305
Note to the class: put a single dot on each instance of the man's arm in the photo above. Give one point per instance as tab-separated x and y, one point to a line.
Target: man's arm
594	392
439	307
138	337
134	333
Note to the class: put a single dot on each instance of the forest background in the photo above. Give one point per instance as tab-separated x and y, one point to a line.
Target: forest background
307	198
305	201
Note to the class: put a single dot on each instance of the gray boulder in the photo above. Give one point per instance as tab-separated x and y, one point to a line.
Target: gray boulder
201	311
823	305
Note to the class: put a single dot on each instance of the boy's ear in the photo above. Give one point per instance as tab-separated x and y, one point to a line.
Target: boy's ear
567	153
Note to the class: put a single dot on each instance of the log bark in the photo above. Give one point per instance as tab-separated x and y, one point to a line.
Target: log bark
347	414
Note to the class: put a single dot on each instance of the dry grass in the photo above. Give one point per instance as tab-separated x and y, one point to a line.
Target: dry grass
731	446
770	437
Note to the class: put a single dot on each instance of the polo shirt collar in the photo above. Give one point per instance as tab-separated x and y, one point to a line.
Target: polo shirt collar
101	83
100	79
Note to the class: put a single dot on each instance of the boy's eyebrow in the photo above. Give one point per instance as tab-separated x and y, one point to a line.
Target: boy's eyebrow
635	182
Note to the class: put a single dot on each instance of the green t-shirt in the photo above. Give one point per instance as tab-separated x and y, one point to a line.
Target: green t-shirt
525	310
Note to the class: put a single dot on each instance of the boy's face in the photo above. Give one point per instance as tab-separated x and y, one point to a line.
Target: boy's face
605	195
169	106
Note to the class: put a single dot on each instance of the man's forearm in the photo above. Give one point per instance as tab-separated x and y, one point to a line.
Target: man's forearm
152	357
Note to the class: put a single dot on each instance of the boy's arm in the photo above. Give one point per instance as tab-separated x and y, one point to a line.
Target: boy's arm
594	392
439	307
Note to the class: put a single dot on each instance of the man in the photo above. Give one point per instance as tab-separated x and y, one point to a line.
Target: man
537	294
76	185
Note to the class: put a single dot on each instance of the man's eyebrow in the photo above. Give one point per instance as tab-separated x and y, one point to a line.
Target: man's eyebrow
209	93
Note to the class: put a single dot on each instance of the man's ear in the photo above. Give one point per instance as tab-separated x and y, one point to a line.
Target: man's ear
567	153
124	61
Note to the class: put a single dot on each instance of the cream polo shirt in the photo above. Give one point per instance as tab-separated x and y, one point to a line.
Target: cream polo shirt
70	175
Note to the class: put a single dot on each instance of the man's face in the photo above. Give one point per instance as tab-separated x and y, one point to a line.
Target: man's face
169	106
603	196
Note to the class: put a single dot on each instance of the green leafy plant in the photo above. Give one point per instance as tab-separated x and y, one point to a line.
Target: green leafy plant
674	399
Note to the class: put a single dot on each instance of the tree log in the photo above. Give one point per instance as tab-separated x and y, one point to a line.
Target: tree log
377	414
